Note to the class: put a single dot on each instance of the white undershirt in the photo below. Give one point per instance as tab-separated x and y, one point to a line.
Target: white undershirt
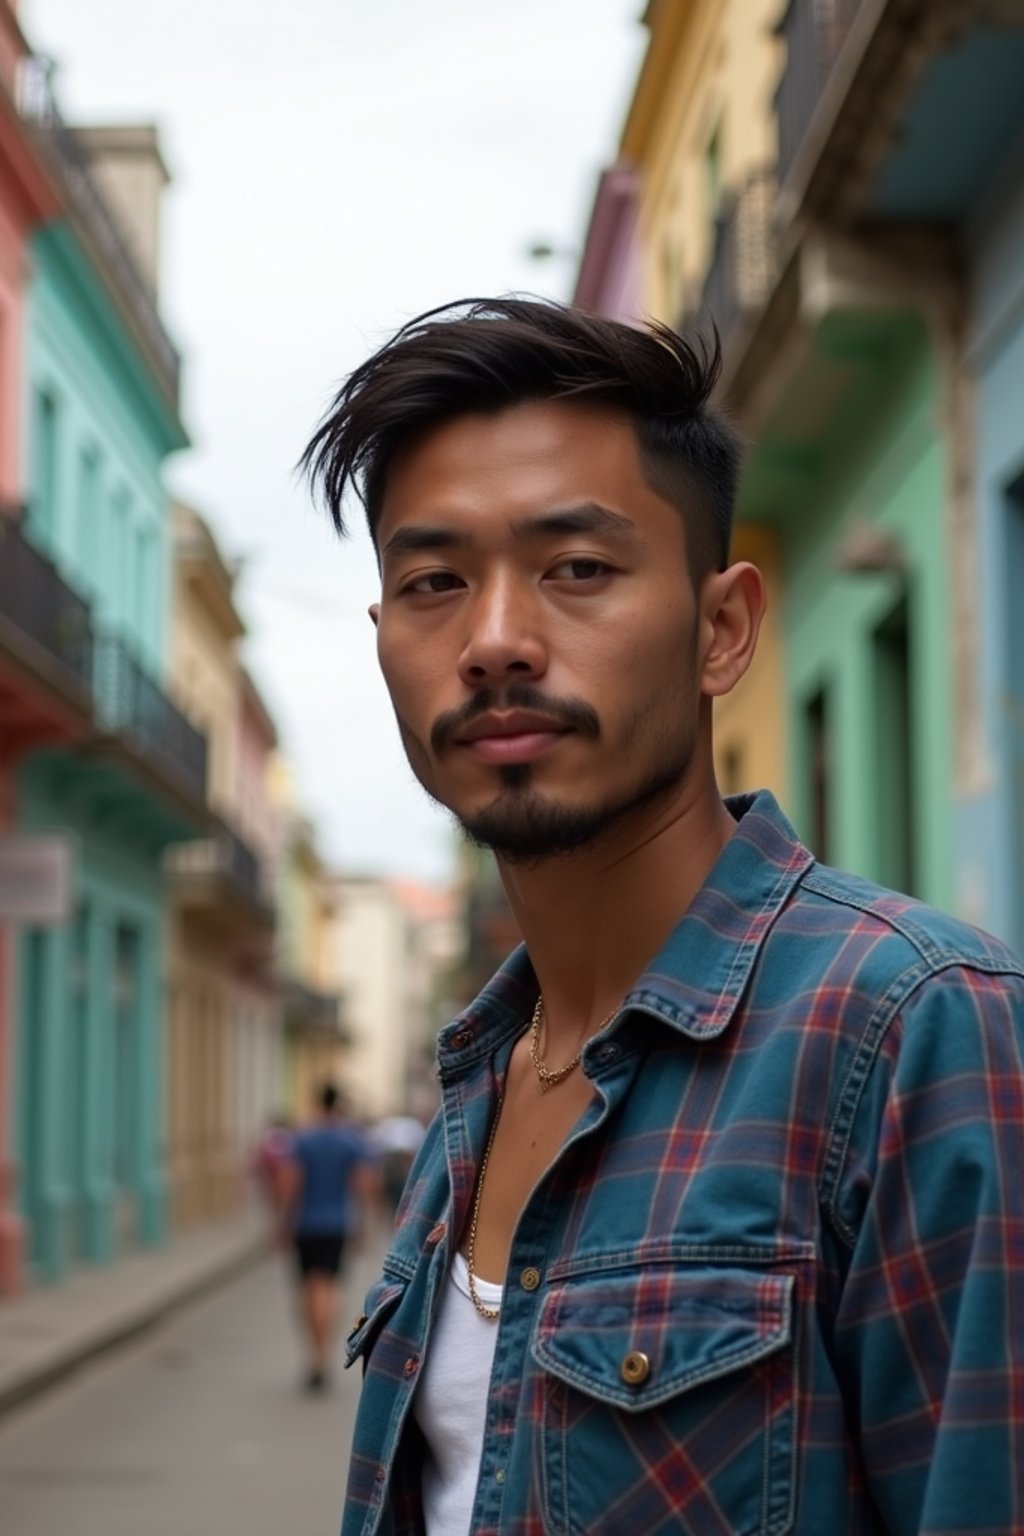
451	1401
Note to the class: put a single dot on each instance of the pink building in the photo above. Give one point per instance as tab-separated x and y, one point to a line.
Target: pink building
608	281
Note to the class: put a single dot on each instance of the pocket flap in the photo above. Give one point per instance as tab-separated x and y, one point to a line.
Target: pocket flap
637	1339
381	1300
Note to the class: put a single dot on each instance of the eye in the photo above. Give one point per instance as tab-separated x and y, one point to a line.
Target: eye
581	568
431	583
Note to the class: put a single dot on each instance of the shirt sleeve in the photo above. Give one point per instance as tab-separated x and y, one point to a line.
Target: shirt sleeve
929	1331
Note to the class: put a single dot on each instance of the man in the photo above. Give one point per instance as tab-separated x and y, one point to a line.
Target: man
327	1186
720	1228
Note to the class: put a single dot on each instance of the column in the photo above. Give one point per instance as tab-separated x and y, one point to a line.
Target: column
150	1173
51	1238
98	1086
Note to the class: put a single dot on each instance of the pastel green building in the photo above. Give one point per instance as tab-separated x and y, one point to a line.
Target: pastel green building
101	415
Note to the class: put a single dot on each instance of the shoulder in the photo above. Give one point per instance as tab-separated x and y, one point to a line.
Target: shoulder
854	933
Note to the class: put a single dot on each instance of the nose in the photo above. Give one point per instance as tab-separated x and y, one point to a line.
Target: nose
505	636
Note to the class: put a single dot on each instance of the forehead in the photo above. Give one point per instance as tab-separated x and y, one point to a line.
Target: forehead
503	464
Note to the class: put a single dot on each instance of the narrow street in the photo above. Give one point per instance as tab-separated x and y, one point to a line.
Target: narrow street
198	1429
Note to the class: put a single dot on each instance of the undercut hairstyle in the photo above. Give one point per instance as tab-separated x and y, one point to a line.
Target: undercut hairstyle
487	355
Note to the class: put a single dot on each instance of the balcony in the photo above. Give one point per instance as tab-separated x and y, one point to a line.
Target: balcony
742	268
318	1014
813	32
896	110
69	166
134	710
42	610
219	883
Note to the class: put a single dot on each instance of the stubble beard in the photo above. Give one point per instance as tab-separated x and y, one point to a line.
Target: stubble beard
525	826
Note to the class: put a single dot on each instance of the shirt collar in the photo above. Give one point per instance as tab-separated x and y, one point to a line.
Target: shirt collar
696	980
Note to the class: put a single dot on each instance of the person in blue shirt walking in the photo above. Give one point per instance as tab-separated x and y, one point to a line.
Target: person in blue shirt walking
330	1183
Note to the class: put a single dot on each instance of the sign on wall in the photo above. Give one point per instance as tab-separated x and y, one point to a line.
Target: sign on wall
37	876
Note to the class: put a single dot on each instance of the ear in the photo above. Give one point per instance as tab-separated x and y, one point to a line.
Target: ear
732	606
374	612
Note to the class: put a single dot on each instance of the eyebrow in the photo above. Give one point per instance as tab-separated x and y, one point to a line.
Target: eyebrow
584	517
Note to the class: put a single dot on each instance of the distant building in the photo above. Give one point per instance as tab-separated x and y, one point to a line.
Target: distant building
316	1029
224	1017
394	944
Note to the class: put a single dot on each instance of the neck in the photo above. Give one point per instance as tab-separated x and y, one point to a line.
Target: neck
592	920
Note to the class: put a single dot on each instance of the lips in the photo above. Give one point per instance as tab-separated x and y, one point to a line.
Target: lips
519	736
515	723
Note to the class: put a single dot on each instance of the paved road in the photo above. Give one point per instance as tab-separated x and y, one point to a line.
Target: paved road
199	1429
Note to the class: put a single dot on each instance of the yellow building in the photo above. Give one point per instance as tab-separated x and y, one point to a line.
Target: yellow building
316	1036
699	136
224	1017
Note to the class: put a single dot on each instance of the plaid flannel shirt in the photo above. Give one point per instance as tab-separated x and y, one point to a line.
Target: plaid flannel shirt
774	1280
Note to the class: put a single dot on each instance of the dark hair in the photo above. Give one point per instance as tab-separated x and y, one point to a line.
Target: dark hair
329	1097
489	354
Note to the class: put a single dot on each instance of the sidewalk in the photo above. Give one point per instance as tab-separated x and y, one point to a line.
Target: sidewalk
51	1330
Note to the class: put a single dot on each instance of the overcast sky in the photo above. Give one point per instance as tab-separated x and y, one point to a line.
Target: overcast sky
338	167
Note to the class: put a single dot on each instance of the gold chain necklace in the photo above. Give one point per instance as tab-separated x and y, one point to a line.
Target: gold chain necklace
547	1080
551	1079
490	1313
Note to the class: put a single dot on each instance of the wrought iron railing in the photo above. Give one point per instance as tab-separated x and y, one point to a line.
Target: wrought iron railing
131	705
813	32
316	1012
223	857
743	257
36	600
38	106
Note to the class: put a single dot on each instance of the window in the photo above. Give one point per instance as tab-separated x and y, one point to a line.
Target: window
894	750
44	485
819	773
87	515
713	172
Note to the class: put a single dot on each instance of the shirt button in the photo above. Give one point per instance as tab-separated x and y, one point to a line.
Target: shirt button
461	1038
411	1366
608	1052
635	1369
530	1278
499	1476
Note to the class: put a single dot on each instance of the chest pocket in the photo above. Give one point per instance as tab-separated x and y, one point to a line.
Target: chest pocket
668	1403
381	1301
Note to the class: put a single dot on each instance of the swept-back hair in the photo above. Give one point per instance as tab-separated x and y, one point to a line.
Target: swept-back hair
480	355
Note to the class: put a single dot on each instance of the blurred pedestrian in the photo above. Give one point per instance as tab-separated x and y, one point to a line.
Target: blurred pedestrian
719	1228
330	1187
267	1167
397	1139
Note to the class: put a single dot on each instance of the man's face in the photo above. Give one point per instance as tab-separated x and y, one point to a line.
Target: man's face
537	626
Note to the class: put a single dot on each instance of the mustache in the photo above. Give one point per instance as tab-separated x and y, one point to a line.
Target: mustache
573	713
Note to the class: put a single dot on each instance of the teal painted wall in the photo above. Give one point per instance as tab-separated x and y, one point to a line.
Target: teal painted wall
89	1131
854	641
990	816
90	1007
96	436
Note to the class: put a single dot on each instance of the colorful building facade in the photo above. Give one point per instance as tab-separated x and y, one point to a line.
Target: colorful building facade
844	206
699	127
100	415
223	1014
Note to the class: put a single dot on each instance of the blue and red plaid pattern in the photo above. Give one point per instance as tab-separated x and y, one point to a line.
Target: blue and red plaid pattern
797	1194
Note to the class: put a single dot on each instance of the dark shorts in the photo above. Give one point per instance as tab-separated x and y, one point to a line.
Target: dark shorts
319	1253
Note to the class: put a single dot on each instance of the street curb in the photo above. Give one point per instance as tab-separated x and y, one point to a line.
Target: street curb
68	1355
